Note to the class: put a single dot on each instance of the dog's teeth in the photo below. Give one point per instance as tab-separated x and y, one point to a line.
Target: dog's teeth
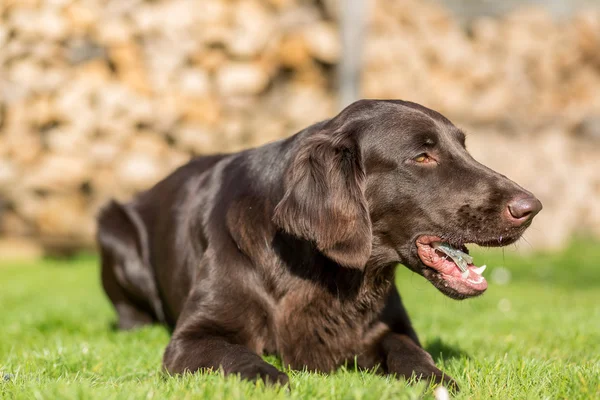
478	281
465	274
480	270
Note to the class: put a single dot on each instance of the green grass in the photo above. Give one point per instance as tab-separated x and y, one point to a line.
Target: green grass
537	336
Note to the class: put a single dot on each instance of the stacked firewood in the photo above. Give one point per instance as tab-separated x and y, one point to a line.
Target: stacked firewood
101	98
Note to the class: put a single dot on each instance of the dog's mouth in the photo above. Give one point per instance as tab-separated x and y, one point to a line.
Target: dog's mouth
450	268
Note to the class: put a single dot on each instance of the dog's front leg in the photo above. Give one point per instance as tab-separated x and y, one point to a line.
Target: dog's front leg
400	349
404	358
203	341
190	354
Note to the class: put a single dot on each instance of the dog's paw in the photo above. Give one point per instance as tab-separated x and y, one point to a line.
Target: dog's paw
423	369
265	372
440	378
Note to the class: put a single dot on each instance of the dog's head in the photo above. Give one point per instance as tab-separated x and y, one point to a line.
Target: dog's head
391	181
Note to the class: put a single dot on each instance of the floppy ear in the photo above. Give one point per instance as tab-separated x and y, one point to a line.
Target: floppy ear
324	199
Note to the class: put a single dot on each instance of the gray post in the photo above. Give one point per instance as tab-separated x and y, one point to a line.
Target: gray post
352	23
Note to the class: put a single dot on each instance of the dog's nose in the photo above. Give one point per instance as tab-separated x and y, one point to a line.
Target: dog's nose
524	209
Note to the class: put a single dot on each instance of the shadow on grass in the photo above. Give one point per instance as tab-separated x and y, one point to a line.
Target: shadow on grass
441	351
113	326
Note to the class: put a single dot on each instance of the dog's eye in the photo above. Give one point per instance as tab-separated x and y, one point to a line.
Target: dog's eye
423	158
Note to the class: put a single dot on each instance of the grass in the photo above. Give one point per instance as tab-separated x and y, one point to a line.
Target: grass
534	334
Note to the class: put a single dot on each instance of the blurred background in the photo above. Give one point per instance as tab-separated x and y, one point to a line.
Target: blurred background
102	98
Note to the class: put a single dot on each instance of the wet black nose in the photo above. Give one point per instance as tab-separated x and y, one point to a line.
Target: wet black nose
524	209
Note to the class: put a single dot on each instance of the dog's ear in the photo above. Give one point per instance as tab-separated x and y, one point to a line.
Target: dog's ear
324	198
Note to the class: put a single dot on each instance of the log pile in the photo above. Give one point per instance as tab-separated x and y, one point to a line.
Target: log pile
523	71
101	98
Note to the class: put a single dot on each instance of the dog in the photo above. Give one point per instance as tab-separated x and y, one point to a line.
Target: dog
290	248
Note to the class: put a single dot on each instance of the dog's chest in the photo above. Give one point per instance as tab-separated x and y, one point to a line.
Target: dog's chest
320	330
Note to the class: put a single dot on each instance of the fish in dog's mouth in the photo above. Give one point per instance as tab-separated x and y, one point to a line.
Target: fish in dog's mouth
450	268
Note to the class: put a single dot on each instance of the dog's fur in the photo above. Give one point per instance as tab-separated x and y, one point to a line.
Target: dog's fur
290	248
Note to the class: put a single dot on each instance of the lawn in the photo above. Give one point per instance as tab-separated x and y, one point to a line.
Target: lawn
534	334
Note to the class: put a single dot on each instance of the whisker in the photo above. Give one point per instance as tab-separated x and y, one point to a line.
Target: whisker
527	241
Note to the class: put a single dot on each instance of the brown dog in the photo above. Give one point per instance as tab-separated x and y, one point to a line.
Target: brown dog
290	248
